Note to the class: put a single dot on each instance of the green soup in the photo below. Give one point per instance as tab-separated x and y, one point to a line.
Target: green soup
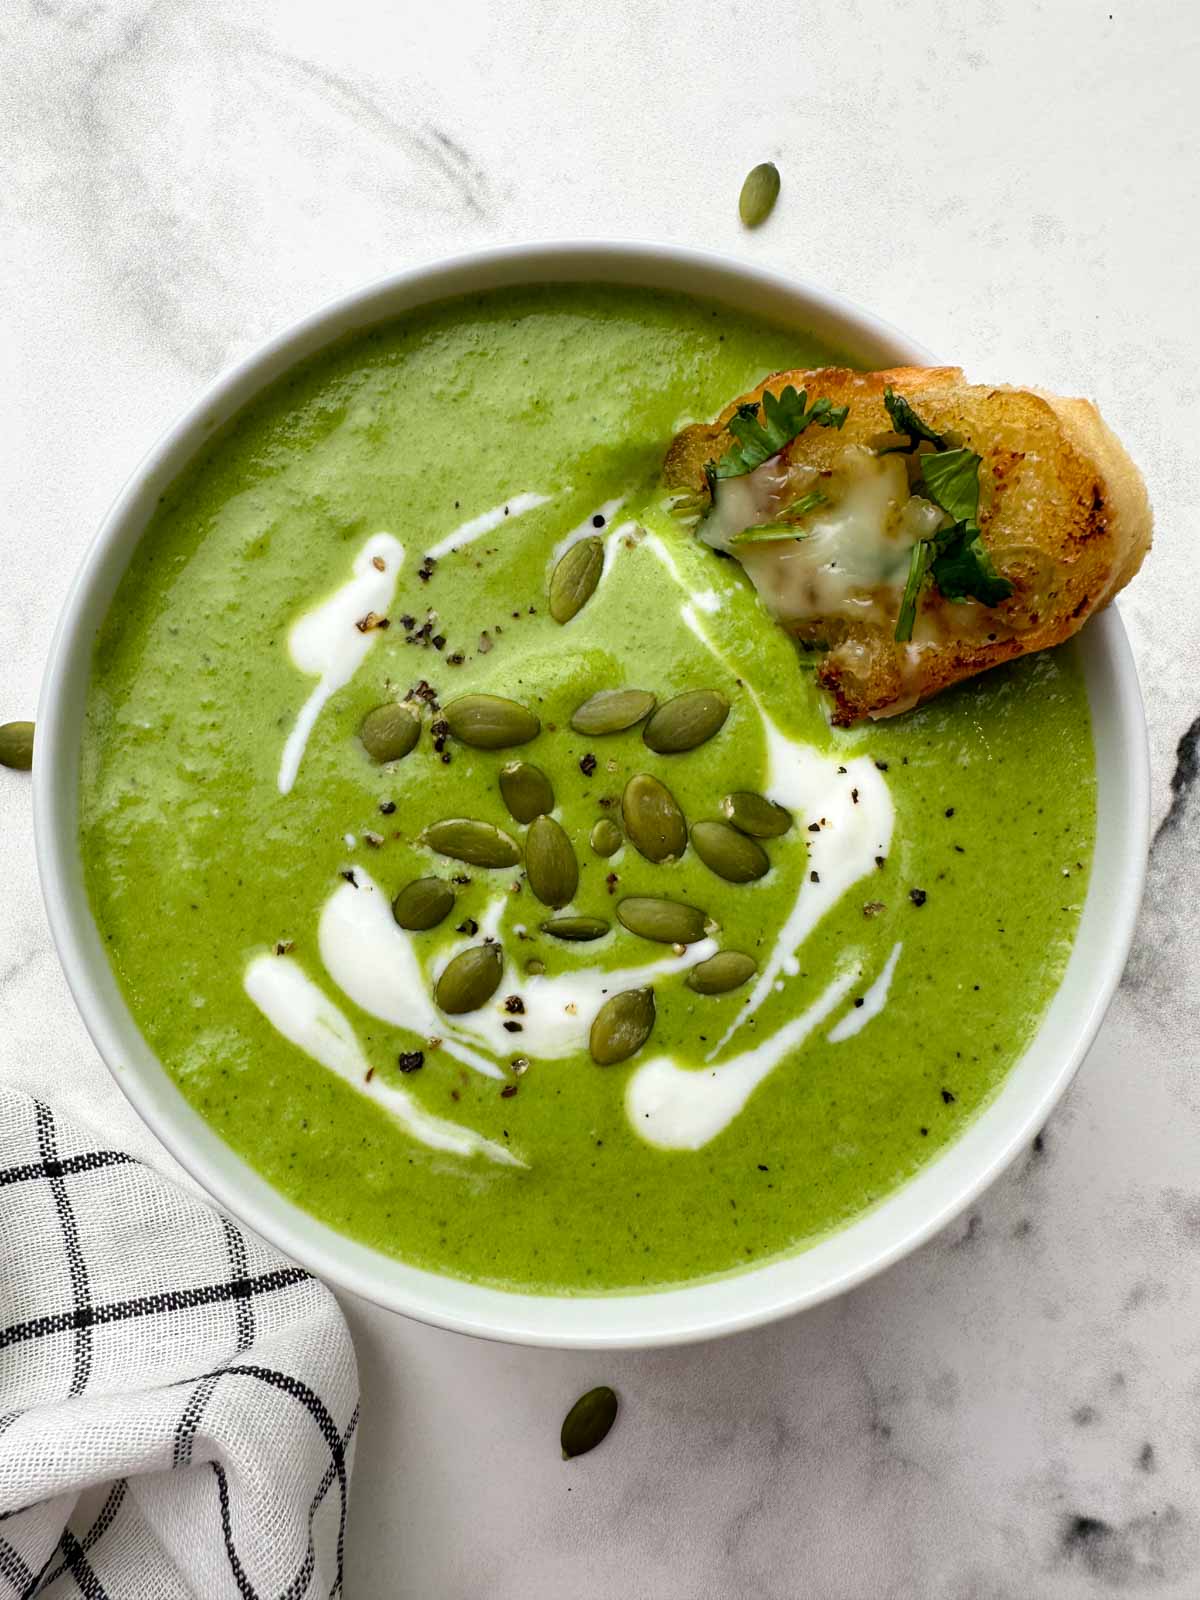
914	922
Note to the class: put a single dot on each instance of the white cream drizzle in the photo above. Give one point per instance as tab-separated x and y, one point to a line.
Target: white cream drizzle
294	1005
873	1002
683	1108
325	643
372	961
475	527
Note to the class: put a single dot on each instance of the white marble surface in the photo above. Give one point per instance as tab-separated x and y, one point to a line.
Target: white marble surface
1014	1413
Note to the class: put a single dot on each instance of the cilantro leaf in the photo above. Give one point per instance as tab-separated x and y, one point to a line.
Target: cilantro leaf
786	525
918	566
952	482
905	420
784	417
963	569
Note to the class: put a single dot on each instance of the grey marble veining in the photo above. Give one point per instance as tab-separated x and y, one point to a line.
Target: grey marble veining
1012	1413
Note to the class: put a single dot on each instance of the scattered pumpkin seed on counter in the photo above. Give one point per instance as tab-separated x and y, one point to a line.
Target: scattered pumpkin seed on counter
576	929
606	838
489	722
727	970
469	979
422	904
612	711
16	745
390	731
480	844
760	190
756	815
574	579
621	1026
686	721
550	863
664	921
731	855
588	1422
526	791
652	818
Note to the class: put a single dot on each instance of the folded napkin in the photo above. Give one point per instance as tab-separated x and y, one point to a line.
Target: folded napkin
177	1402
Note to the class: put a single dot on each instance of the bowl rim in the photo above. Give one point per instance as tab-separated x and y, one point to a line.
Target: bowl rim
757	1294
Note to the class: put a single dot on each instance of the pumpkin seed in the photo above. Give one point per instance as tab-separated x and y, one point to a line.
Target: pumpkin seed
759	194
470	979
391	730
731	855
612	711
481	844
606	838
577	929
756	815
422	903
488	722
16	745
686	721
588	1421
526	790
621	1026
728	969
664	921
550	863
652	818
573	581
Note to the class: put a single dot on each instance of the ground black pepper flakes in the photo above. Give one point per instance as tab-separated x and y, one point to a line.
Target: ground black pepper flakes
948	1097
408	623
425	570
587	764
370	1074
284	947
854	796
842	770
612	881
348	874
514	1027
859	1002
814	877
456	660
387	807
597	521
882	765
460	878
508	1091
881	862
438	641
917	896
949	811
515	1005
814	827
470	927
410	1060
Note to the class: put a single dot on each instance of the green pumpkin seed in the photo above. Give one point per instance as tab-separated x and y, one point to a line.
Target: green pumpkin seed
488	722
573	581
16	745
550	863
731	855
588	1421
422	904
606	838
652	818
686	721
759	194
391	730
470	979
728	969
481	844
756	815
621	1026
612	711
664	921
576	929
526	790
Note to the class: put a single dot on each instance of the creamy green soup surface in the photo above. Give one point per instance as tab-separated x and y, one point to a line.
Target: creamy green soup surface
242	849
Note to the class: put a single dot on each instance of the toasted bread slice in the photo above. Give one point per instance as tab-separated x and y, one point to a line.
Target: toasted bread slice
1063	514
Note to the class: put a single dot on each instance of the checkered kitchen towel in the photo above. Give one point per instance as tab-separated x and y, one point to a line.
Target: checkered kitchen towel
177	1403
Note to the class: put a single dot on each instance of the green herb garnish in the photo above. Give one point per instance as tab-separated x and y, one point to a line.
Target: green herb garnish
905	420
786	525
784	417
956	555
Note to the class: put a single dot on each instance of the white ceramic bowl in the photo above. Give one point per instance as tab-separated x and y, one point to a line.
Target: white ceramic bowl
938	1193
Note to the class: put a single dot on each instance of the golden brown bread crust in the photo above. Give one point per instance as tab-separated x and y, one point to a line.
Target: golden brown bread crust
1063	511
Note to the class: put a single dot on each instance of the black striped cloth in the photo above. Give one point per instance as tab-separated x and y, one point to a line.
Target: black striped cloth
177	1402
